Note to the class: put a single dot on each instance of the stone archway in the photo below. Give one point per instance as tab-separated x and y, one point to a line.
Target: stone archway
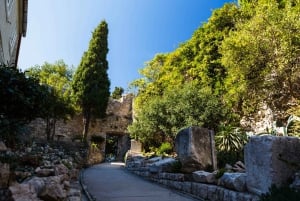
116	146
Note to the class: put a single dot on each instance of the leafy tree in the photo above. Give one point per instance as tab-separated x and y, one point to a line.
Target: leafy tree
163	116
91	83
22	100
185	87
57	77
262	57
117	93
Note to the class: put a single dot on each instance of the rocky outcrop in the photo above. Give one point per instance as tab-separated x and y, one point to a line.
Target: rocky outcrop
271	160
47	172
195	149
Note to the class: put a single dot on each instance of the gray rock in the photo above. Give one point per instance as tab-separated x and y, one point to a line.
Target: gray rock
195	148
37	183
270	160
164	165
44	172
53	192
60	169
23	192
234	181
296	183
3	147
204	177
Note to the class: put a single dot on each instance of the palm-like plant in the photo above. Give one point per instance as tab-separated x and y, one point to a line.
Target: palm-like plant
230	142
230	139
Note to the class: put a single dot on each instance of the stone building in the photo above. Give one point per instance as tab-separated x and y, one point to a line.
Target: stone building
112	129
13	25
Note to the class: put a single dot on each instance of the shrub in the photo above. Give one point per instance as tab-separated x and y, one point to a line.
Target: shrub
230	143
165	148
281	194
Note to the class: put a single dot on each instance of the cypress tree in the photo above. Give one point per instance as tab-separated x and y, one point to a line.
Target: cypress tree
91	83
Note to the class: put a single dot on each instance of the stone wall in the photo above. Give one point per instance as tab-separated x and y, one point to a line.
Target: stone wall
118	117
185	182
269	160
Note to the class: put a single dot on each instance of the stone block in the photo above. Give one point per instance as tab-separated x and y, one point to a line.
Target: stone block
234	181
195	148
164	165
187	187
135	146
270	160
200	190
204	177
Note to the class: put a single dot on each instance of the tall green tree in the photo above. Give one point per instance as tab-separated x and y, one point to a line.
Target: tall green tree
57	77
91	83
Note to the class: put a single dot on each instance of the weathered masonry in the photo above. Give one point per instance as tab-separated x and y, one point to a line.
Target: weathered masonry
111	132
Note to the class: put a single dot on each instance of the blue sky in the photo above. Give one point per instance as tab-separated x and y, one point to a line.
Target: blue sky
138	29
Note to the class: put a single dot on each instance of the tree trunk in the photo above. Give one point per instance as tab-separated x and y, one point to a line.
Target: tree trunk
48	128
86	123
53	129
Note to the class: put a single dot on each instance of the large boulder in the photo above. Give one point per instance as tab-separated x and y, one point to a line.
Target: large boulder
271	160
234	181
195	148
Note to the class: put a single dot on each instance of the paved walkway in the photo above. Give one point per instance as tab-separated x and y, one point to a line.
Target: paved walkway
111	182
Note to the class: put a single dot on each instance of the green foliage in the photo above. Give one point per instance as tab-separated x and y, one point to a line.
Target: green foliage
230	143
230	138
117	93
260	57
165	148
245	55
57	78
220	173
294	127
91	83
281	194
22	100
162	117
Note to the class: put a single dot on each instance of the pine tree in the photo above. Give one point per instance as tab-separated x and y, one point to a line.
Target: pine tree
91	83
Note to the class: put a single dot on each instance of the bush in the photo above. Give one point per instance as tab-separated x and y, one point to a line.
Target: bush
281	194
165	148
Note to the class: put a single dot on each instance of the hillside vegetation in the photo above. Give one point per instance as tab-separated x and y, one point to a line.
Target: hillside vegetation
245	55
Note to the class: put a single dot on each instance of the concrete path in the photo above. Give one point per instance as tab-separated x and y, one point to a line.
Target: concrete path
111	182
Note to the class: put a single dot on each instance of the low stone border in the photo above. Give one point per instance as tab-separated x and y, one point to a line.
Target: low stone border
185	184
